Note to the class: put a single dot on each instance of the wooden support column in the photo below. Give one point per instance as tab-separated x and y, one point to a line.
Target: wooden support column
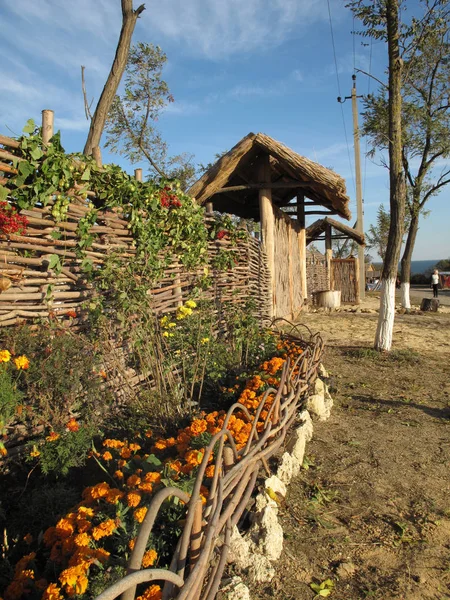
302	243
209	208
138	174
48	119
267	223
328	254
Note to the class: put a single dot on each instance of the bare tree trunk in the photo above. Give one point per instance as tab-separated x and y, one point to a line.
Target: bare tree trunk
405	275
383	337
129	18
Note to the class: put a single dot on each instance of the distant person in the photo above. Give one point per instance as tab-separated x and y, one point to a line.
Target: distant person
435	283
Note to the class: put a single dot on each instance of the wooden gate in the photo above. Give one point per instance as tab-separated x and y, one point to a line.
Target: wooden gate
344	276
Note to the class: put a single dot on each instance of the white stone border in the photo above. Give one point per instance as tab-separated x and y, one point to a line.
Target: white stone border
255	552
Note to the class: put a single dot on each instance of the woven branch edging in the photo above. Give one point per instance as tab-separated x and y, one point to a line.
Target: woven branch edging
193	573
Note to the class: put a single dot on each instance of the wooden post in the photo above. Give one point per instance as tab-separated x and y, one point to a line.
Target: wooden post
302	243
48	119
138	174
328	253
357	282
267	224
209	208
97	156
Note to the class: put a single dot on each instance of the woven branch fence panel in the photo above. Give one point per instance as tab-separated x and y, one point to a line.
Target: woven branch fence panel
201	553
344	277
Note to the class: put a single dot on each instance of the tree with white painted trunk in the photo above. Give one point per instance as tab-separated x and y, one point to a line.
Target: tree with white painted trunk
381	19
425	117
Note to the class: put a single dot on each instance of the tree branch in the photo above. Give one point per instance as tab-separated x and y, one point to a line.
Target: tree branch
87	106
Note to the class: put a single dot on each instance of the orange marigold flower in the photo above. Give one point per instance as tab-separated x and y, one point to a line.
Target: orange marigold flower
198	426
22	362
64	528
148	433
73	425
104	529
152	477
28	538
255	383
139	513
103	373
113	443
100	490
52	437
84	525
132	543
102	555
118	474
134	447
71	313
74	579
160	444
125	453
194	457
53	592
84	511
149	558
82	539
50	536
210	471
5	355
152	593
133	480
147	488
114	495
107	455
133	499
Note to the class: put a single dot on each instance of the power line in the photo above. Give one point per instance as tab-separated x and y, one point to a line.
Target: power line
339	93
368	92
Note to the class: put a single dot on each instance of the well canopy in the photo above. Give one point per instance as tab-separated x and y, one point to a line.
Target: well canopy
232	184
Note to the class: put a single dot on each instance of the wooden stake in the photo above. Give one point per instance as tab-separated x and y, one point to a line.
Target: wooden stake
138	174
48	118
328	253
302	243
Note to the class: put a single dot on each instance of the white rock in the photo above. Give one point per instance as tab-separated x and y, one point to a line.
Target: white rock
286	468
236	590
297	443
261	569
323	372
239	552
275	484
266	534
318	404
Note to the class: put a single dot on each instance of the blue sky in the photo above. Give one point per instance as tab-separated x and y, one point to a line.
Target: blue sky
233	67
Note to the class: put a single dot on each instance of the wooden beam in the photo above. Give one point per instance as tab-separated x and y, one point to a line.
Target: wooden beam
267	219
302	243
268	186
321	212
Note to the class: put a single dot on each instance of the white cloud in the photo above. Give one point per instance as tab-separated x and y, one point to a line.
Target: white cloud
221	28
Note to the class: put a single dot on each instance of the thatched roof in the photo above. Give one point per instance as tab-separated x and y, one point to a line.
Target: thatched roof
319	227
290	174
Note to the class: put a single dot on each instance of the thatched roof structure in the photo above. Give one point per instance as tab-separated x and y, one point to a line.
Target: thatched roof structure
320	226
232	184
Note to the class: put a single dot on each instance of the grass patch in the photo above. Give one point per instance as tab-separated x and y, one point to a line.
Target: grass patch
406	356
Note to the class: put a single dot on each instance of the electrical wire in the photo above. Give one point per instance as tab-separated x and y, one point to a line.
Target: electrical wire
369	79
340	95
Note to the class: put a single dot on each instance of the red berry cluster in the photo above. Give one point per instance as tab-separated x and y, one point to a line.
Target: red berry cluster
169	200
11	221
221	234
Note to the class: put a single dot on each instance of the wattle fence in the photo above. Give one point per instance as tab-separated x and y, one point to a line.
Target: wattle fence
200	556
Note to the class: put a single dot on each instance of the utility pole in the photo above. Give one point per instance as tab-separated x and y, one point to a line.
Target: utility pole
359	200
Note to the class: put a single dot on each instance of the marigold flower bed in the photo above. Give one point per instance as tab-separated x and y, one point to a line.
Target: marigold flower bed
88	549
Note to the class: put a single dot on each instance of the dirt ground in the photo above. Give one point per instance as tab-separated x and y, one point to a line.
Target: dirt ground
371	510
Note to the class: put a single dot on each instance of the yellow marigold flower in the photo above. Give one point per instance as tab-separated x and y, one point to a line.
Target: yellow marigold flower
133	499
114	495
165	334
35	452
5	355
152	593
82	539
149	558
53	592
113	443
190	304
172	325
104	529
22	362
133	480
164	321
139	514
204	340
52	437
